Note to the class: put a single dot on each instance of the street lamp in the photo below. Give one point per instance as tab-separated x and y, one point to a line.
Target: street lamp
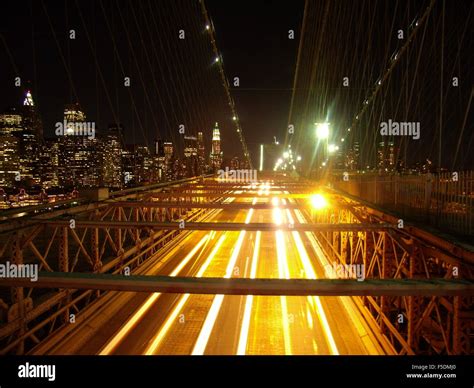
322	130
322	133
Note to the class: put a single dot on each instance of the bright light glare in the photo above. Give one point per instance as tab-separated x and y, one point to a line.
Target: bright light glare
322	130
318	201
286	155
333	148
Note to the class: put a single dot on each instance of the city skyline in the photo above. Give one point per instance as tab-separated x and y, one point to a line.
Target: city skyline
82	155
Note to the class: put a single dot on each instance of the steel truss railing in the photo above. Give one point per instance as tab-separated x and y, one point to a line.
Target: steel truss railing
131	230
413	324
58	242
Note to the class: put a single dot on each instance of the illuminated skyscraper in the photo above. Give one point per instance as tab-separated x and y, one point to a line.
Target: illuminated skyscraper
79	157
216	153
9	160
190	146
201	151
48	163
191	155
352	158
25	124
10	121
386	155
111	147
31	118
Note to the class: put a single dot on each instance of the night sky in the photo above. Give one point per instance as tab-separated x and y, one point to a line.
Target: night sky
172	84
175	81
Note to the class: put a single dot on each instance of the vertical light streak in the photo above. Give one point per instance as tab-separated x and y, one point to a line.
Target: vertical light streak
112	344
155	343
244	330
209	322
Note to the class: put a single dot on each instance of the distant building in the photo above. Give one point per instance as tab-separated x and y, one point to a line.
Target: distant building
10	122
79	155
25	124
201	151
191	155
49	163
386	155
216	155
353	157
168	161
137	165
112	157
9	160
190	146
128	166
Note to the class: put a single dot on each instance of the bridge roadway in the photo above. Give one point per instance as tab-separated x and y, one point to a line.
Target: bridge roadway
137	323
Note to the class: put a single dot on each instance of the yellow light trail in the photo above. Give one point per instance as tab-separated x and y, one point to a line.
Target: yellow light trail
206	330
244	330
311	274
155	343
283	273
345	300
112	344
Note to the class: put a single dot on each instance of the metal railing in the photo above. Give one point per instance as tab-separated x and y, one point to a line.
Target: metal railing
444	200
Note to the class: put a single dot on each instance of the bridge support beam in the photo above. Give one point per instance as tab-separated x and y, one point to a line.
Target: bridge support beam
234	286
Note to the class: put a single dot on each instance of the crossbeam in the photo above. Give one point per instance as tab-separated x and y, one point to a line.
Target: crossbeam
192	285
222	226
173	194
203	205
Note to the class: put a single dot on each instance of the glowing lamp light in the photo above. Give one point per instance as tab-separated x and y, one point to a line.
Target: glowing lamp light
322	130
318	202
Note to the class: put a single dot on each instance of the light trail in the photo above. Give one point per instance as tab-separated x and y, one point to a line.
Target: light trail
209	322
115	341
244	330
283	273
311	274
155	343
346	301
112	344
